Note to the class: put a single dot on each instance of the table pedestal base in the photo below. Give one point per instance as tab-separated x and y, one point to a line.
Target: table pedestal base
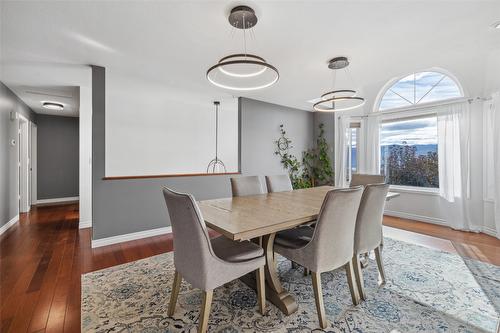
284	300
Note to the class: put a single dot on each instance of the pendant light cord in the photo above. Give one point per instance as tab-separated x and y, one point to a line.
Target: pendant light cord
216	130
244	35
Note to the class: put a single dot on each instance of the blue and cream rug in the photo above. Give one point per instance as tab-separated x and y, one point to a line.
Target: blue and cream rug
426	291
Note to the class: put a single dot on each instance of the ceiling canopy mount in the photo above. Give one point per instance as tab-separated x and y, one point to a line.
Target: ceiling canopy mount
242	17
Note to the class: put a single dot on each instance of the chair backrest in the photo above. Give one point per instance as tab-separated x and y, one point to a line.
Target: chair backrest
248	185
332	243
365	179
192	247
278	183
368	234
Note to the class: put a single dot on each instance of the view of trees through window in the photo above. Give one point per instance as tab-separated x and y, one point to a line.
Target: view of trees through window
409	152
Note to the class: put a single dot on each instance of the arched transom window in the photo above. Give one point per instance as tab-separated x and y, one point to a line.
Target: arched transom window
419	88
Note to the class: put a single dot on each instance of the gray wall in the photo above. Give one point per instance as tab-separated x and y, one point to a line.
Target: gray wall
9	155
57	153
126	206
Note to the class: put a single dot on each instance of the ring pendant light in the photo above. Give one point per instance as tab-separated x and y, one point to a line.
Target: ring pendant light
242	71
338	100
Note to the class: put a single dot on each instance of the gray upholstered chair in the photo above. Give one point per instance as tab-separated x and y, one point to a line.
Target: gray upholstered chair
331	245
278	183
365	179
368	233
247	185
207	263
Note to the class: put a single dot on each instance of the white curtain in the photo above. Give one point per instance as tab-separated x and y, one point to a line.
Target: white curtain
372	150
491	122
454	161
342	124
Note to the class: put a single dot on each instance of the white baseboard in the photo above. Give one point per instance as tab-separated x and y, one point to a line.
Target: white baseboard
129	237
9	224
85	224
56	200
490	231
421	218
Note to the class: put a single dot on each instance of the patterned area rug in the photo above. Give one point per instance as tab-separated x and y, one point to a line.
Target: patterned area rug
426	291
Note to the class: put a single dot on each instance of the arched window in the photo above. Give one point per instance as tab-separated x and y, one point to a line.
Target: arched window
420	88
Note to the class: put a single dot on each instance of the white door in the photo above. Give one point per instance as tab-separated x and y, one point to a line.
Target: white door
23	165
33	164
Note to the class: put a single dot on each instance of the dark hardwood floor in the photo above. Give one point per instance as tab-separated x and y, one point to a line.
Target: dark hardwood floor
43	256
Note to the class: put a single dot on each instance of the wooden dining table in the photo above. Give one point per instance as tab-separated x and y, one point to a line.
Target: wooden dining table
261	217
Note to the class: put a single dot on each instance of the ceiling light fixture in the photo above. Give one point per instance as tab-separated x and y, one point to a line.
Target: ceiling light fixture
216	165
53	106
243	71
338	100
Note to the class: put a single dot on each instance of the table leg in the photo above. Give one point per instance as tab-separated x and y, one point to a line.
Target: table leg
275	292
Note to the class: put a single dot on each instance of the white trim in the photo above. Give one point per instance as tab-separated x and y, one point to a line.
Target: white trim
490	231
132	236
9	224
415	190
56	200
85	224
421	218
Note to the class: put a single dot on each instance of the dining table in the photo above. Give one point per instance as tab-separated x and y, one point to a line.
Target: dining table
259	218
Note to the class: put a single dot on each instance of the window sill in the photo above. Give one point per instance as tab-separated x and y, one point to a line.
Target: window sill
415	190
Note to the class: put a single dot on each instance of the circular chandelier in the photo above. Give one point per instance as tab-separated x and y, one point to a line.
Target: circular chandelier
242	71
338	100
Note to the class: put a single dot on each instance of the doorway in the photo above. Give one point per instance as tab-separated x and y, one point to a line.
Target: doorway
25	170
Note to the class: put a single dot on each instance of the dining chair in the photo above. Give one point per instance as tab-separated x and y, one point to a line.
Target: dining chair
278	183
207	263
368	232
331	245
365	179
247	185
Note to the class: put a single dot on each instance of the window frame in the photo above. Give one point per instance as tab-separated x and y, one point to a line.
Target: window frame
357	124
392	82
404	116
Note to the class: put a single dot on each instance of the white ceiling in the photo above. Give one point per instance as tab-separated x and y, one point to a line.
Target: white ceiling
34	96
172	43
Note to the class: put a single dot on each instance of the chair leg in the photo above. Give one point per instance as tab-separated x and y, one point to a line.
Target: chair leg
351	281
175	292
306	271
318	296
359	276
261	290
380	264
205	311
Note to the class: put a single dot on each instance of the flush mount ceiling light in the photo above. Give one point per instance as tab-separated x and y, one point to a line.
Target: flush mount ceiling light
338	100
53	106
242	71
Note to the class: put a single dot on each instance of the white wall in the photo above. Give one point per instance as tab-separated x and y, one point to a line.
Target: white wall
165	131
